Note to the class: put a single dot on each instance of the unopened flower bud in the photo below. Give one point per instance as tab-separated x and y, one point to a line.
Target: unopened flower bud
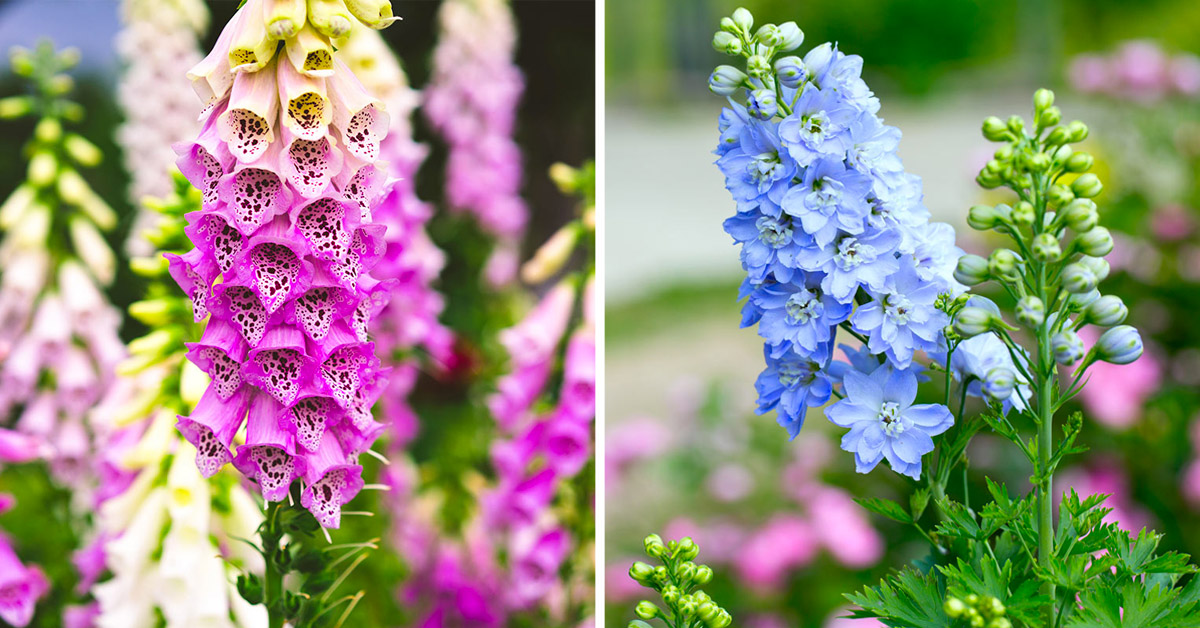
376	14
1031	311
1096	242
726	80
1000	622
704	575
722	620
1042	100
82	151
1087	186
671	594
998	383
762	104
1107	311
790	71
728	26
758	66
1080	301
1048	118
1067	347
654	546
767	34
646	610
92	249
1098	265
284	18
1038	162
1003	263
727	43
743	19
641	572
1080	162
685	571
790	37
1045	248
48	130
1120	345
1080	215
971	270
706	611
1023	214
1059	195
954	607
43	168
983	217
972	321
1078	278
994	129
15	107
1078	131
1058	136
688	548
1016	124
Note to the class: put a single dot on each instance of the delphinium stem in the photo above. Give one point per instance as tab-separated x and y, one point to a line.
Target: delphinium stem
1045	397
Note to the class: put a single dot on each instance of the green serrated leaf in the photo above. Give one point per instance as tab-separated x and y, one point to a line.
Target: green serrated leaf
908	598
886	508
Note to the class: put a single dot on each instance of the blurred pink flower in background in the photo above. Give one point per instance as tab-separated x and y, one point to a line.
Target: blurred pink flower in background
842	527
618	586
787	542
1115	393
1172	222
630	441
730	482
837	619
1110	479
1138	71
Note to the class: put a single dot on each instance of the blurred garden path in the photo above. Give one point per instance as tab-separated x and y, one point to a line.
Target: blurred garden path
666	201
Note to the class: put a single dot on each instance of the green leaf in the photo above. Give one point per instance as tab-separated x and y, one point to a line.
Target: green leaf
885	507
959	522
1131	604
908	599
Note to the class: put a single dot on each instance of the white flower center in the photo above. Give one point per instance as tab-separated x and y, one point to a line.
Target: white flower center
794	372
814	128
803	306
898	308
765	167
825	195
889	417
852	253
773	232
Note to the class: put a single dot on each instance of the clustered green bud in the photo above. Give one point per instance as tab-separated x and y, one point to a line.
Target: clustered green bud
977	611
763	73
677	581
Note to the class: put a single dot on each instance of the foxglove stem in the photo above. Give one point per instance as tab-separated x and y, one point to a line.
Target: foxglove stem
273	576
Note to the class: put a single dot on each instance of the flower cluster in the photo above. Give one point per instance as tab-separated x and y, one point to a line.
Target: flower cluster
163	530
58	332
834	236
21	586
1139	71
288	162
678	581
158	44
472	101
411	262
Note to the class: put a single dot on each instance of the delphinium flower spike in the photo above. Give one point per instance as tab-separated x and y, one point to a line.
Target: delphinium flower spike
289	166
58	332
158	43
169	537
472	102
678	580
834	240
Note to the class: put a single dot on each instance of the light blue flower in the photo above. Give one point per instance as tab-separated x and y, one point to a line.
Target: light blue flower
769	244
975	357
817	126
756	168
733	119
871	146
903	318
798	315
793	383
851	261
883	422
832	197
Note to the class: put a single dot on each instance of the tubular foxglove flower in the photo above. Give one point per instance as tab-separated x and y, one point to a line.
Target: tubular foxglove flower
472	102
158	44
288	163
58	332
832	229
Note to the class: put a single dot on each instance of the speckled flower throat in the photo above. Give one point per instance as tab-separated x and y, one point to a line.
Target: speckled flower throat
287	164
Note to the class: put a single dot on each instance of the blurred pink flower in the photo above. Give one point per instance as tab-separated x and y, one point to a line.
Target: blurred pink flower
1191	483
844	530
1109	479
1089	74
1185	74
786	543
633	440
1140	67
837	619
729	482
1115	393
1172	222
618	586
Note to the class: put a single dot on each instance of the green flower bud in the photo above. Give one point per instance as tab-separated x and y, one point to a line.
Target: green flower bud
994	129
1120	345
1045	248
15	107
1078	302
1042	99
1003	263
685	571
43	168
1016	124
971	270
1000	622
671	595
1078	279
688	548
758	66
1099	267
727	43
996	606
1048	118
48	130
1038	162
1067	347
641	572
82	151
977	621
743	19
722	619
999	383
1087	186
707	611
1080	162
1078	131
972	600
686	606
1059	195
1031	311
1023	214
766	34
1080	215
983	217
972	321
954	607
654	546
647	610
1004	153
249	586
701	597
726	80
728	25
704	575
1096	242
988	180
1058	136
